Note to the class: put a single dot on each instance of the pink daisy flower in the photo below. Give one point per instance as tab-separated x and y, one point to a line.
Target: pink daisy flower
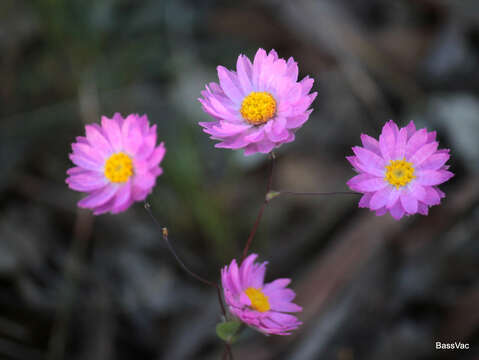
261	306
400	172
259	106
116	163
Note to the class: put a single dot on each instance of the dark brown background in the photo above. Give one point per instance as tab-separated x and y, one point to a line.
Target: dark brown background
77	287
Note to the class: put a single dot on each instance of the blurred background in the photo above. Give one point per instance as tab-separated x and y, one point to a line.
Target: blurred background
77	287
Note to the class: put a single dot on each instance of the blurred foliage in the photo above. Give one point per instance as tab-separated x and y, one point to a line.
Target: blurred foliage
78	287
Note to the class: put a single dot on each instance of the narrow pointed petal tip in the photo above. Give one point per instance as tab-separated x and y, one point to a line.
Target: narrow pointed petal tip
117	163
264	307
399	173
242	124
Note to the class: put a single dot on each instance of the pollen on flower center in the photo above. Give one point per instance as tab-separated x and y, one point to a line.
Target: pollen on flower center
258	107
259	301
118	167
399	173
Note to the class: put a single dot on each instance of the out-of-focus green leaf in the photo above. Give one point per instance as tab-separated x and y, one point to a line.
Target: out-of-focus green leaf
227	330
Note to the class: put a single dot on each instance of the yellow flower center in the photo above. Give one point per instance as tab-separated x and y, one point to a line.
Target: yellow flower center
259	301
258	107
118	168
399	173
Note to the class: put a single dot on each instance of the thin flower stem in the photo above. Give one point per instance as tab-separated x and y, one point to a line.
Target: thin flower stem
220	300
271	194
164	235
227	352
316	193
262	208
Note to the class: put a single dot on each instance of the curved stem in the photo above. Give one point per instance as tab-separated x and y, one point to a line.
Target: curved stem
227	352
261	210
316	193
164	235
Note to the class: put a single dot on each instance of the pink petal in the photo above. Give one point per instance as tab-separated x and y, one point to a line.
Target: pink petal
106	207
286	307
118	119
156	171
422	209
281	318
122	199
276	130
265	146
236	142
87	181
258	276
381	211
367	169
211	110
230	84
273	54
280	295
370	143
98	197
223	111
417	140
370	160
88	152
276	73
85	163
255	134
227	129
417	191
397	211
245	269
353	160
257	64
144	181
393	198
132	140
411	129
366	183
441	194
76	171
98	141
244	299
147	146
292	73
250	149
144	125
424	153
435	161
401	144
294	96
307	84
431	196
394	128
245	73
433	177
380	198
158	155
431	137
113	132
82	140
298	120
276	285
266	73
387	141
365	200
374	184
235	277
408	202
